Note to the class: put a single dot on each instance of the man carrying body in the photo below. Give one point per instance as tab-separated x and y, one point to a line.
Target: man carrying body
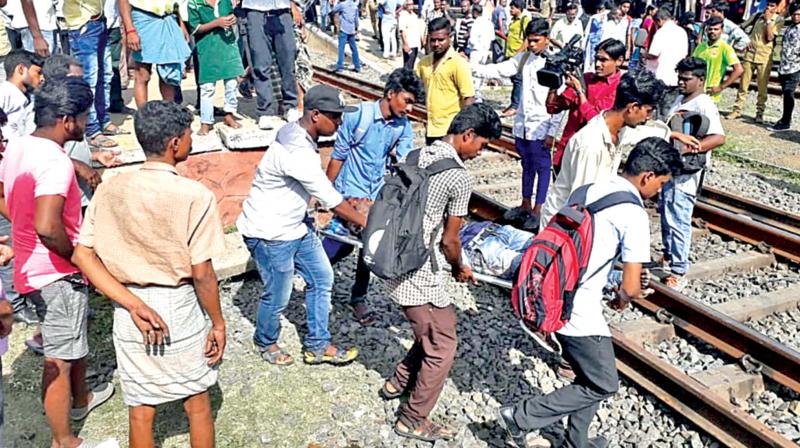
447	79
592	154
364	144
758	58
277	234
718	56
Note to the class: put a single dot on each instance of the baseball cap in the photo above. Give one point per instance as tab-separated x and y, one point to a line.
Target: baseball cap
326	99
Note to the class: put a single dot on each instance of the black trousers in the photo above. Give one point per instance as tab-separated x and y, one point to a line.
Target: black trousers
789	83
410	58
592	359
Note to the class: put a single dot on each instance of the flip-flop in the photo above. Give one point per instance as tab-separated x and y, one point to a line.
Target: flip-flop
100	141
116	130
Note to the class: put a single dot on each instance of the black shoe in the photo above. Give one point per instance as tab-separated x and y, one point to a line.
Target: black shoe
598	442
780	127
122	110
26	316
505	417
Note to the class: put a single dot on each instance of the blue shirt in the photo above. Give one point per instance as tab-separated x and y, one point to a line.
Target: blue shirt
389	11
348	16
364	165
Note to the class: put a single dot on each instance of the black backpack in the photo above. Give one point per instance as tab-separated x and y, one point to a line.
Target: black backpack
696	125
393	241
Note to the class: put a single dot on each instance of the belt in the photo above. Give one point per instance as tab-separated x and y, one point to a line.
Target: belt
277	12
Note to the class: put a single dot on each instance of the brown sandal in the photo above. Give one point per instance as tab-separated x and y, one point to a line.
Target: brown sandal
423	430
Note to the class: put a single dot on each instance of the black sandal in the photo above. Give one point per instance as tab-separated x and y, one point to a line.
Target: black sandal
386	395
423	430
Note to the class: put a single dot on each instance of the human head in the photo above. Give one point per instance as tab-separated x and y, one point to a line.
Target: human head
439	35
402	90
794	12
713	28
164	130
772	6
625	7
473	128
686	19
651	163
609	57
465	4
650	10
572	12
323	107
516	8
63	103
615	13
636	97
538	35
61	65
410	5
662	16
691	75
477	10
24	69
437	5
718	9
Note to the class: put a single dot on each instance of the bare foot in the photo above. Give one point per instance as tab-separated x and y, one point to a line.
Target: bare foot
231	122
205	128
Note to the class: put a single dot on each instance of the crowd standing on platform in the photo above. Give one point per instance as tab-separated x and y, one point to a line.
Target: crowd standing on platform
639	90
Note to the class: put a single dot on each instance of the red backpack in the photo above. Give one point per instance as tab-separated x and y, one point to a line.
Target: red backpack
553	266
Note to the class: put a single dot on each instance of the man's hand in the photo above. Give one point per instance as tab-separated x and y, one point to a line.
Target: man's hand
153	328
714	90
464	275
108	158
87	173
406	48
40	46
226	22
572	81
215	344
548	142
6	252
692	143
132	38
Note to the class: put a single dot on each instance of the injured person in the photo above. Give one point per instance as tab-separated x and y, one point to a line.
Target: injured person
494	249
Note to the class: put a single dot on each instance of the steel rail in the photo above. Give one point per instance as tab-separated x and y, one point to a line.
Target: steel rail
756	210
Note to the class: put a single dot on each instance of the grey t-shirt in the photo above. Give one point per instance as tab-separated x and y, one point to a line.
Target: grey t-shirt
80	151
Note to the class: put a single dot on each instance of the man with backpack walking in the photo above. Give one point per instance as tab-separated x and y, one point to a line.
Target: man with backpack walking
364	144
621	229
422	293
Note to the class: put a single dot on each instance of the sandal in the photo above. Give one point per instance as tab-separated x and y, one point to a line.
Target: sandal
277	357
100	141
423	430
675	282
365	318
340	357
387	395
113	130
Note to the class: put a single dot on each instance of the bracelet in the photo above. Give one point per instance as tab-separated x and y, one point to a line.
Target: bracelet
132	30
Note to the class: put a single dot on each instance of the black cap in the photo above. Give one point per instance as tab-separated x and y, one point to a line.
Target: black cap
326	99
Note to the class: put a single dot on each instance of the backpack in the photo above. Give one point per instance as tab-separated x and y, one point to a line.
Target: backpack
696	125
554	266
393	241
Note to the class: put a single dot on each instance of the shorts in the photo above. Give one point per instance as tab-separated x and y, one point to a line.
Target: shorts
63	310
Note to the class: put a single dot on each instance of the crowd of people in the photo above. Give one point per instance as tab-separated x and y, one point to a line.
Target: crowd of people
145	239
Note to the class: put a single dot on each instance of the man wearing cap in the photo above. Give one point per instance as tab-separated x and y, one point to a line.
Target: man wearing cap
279	236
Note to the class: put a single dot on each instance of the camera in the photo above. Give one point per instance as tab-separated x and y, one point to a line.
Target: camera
568	60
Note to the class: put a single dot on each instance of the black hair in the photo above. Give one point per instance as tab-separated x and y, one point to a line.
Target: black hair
653	154
64	96
622	2
517	4
21	57
663	14
158	122
641	88
405	80
477	9
614	48
570	6
438	24
692	64
714	21
479	117
794	7
686	18
721	7
3	118
650	8
773	2
58	65
538	26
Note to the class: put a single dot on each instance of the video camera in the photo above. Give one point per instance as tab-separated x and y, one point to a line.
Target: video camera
568	60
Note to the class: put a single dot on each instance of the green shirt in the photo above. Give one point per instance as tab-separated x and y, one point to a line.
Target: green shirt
515	37
718	57
217	50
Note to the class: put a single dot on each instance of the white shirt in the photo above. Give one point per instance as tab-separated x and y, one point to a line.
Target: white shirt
3	346
411	26
111	11
624	228
45	14
481	35
288	176
563	30
19	109
616	30
590	156
266	5
532	121
704	105
670	45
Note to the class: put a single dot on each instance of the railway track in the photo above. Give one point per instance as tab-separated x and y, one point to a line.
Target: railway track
721	212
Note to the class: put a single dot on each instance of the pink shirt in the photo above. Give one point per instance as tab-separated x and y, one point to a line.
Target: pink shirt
34	167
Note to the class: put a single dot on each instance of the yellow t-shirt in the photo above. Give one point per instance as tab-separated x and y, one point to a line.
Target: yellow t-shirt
515	37
157	7
446	86
78	12
5	44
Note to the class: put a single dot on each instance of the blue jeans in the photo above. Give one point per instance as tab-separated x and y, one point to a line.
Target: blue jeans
207	91
7	272
516	91
676	226
499	252
276	262
324	10
49	37
349	39
89	46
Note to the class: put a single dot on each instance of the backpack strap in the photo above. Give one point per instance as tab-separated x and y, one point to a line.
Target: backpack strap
442	165
578	197
613	199
412	159
362	124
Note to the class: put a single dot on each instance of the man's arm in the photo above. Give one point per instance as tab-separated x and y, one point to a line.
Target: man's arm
49	226
207	290
451	248
735	74
3	205
39	44
131	35
334	167
631	285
